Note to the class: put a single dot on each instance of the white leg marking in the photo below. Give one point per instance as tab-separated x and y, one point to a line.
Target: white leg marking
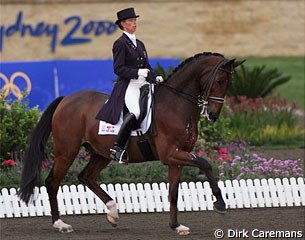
113	215
62	227
183	230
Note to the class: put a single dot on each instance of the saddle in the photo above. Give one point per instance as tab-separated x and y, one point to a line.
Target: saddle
142	126
144	94
144	120
142	142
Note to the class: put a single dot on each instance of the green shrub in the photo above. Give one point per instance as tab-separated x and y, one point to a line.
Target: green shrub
279	135
134	173
9	175
256	82
262	121
229	160
160	71
214	131
16	126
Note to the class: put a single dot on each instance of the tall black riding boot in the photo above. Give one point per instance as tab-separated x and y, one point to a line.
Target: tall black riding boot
118	152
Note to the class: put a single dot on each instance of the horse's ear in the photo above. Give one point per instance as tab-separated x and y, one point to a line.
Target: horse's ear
237	63
230	62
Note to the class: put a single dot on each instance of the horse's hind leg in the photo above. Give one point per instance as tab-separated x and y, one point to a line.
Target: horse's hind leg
88	177
174	174
59	170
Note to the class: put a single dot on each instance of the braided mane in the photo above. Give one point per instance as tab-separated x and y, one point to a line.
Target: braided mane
190	59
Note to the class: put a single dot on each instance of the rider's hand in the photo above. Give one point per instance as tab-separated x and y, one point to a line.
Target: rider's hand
143	72
159	79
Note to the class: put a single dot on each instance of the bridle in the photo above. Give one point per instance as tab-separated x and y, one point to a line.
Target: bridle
208	86
202	100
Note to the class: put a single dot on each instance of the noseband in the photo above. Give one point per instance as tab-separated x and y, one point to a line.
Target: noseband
202	100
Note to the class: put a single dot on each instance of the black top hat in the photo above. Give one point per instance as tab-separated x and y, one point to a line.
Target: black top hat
125	14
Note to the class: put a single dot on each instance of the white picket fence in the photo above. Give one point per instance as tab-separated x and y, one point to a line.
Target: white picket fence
154	197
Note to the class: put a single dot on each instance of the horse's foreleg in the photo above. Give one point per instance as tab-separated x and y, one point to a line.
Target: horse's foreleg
88	177
182	158
204	165
174	174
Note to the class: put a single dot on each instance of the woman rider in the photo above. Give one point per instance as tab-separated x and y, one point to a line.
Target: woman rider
131	64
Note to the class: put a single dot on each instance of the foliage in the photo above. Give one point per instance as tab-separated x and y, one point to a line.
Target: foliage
267	121
293	90
160	71
16	126
9	173
233	160
230	160
214	131
243	165
256	82
149	172
262	121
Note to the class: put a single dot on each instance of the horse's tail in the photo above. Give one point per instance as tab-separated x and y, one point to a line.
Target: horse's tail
35	152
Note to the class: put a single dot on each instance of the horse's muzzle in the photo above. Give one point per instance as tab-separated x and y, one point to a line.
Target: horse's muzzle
211	116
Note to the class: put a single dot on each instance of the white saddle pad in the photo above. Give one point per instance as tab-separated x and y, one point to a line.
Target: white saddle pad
109	129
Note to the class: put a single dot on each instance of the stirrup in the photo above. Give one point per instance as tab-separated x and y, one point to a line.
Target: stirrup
119	155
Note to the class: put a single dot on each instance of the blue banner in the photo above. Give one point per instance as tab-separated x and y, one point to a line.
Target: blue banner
79	31
40	82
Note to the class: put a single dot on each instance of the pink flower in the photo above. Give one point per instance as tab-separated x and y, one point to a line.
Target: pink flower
202	153
223	151
9	162
224	157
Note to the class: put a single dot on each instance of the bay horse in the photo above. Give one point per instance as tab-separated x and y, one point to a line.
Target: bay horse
198	85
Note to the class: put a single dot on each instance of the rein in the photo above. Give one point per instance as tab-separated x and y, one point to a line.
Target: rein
200	100
190	97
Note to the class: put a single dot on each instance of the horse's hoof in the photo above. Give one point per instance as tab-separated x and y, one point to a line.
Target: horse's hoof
220	208
183	230
62	227
112	216
113	221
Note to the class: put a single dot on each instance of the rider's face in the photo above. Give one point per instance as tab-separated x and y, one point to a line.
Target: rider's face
130	25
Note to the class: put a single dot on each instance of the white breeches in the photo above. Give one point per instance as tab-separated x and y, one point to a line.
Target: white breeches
132	95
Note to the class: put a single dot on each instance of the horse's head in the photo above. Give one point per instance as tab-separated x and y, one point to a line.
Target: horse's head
202	80
214	87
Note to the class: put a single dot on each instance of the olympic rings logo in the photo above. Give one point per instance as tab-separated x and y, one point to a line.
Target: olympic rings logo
11	87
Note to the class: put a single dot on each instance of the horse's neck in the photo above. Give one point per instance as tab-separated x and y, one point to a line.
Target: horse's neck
182	91
186	81
169	102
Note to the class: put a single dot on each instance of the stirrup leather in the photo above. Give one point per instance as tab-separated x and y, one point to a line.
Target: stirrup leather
119	155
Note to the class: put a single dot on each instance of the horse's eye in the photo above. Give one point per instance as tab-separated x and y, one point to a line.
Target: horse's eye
221	81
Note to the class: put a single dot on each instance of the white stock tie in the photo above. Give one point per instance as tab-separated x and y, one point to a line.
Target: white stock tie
134	41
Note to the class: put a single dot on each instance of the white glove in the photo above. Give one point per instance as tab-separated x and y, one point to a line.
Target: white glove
143	72
159	79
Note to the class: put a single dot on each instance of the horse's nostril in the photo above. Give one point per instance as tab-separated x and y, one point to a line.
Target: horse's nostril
212	117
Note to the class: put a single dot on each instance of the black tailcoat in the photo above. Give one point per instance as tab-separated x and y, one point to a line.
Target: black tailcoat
127	59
